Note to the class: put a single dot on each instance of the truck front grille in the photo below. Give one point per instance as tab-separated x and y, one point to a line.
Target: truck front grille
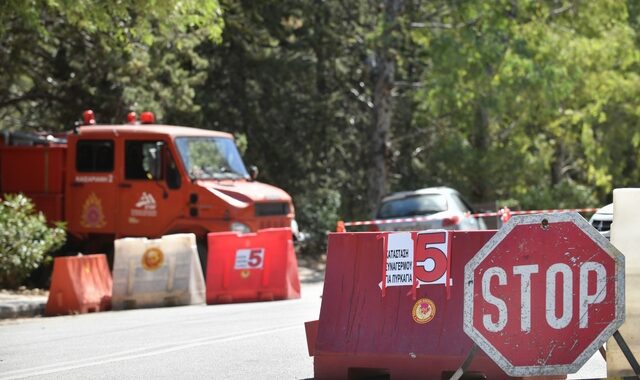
272	209
273	224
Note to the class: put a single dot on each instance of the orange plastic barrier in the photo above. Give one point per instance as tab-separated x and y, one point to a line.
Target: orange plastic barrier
79	284
260	266
369	330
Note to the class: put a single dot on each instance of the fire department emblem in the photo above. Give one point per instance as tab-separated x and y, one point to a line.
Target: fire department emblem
424	310
152	259
92	214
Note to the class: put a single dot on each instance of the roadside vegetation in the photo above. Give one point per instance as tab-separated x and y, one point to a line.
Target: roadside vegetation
531	104
25	240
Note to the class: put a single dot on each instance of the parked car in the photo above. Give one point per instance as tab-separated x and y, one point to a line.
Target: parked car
444	208
602	220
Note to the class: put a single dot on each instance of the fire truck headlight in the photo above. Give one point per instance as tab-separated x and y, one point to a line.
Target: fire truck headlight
240	227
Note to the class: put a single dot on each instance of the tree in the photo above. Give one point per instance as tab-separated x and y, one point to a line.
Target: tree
63	57
520	93
288	77
383	70
339	102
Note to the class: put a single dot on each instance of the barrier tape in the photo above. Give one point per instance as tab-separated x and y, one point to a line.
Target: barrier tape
504	213
550	211
390	221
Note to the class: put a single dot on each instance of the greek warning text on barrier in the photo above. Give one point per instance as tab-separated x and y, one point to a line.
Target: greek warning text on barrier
431	258
399	266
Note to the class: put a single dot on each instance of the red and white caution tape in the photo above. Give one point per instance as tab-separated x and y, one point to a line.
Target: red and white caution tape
528	212
504	213
391	221
554	211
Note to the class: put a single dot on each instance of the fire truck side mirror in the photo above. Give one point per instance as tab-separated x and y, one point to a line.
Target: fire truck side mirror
253	172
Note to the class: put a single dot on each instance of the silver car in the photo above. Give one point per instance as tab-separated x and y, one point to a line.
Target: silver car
602	220
433	207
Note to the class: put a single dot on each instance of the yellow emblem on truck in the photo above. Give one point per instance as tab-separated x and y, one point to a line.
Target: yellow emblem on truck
92	214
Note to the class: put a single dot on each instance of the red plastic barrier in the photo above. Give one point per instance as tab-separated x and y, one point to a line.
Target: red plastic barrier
79	284
367	330
260	266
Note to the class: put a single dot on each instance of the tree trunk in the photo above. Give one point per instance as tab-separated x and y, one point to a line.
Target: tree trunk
480	143
557	164
384	74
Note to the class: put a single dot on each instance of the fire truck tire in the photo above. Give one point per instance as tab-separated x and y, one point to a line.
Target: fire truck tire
202	254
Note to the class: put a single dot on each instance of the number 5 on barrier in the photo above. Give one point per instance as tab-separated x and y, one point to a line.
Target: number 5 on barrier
249	258
431	258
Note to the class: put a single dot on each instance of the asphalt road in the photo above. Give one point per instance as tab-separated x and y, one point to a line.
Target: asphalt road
264	340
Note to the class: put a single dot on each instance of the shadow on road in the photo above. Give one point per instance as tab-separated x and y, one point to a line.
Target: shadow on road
311	268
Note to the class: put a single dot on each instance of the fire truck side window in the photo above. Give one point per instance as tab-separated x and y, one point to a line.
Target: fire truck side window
143	160
94	156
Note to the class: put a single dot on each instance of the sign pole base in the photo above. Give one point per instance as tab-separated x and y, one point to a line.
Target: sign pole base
627	352
465	364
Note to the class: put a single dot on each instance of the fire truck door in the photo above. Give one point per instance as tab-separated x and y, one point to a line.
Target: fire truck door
148	205
91	201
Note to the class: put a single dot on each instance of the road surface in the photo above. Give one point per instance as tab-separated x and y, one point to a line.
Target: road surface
264	340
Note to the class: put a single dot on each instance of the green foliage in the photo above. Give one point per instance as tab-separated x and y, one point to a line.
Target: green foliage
241	142
289	77
317	211
527	97
25	239
62	57
560	196
124	20
529	101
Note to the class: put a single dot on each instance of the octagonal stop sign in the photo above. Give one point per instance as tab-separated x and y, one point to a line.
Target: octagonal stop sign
544	294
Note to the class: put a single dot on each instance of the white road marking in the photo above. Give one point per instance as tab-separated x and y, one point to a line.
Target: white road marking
139	353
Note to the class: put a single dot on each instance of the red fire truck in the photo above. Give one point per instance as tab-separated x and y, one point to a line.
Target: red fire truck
140	179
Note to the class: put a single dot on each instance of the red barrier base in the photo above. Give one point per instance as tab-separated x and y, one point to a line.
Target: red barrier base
79	284
252	267
365	331
311	329
385	366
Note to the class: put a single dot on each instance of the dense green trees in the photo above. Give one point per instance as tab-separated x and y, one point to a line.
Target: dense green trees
532	94
59	57
528	102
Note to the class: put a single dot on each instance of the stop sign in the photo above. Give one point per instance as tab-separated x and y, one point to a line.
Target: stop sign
544	294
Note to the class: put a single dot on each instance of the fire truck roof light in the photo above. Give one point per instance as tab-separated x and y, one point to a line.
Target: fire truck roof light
147	118
88	117
132	117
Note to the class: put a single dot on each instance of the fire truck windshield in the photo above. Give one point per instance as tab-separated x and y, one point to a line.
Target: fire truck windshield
211	158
